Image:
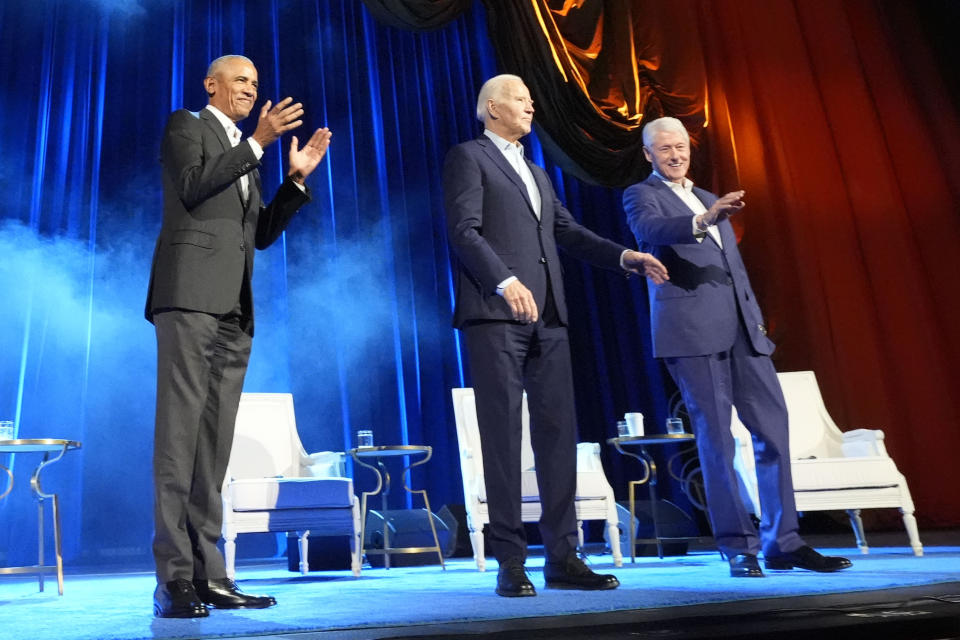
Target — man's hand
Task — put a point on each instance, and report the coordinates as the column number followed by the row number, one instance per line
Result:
column 276, row 121
column 521, row 302
column 723, row 208
column 645, row 264
column 303, row 161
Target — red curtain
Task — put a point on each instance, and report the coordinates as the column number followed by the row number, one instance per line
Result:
column 834, row 119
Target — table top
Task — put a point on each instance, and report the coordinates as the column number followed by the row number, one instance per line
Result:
column 653, row 438
column 26, row 445
column 389, row 451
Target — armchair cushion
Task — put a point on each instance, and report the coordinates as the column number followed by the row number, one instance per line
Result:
column 259, row 494
column 824, row 474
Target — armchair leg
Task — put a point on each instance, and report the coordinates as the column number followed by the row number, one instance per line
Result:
column 476, row 541
column 857, row 525
column 911, row 524
column 230, row 554
column 304, row 550
column 356, row 543
column 613, row 535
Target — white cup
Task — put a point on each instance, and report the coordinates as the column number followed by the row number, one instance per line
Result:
column 634, row 423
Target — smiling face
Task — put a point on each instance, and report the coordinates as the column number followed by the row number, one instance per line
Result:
column 232, row 88
column 669, row 153
column 510, row 111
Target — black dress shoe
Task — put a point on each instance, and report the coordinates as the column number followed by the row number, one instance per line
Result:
column 572, row 573
column 745, row 565
column 806, row 557
column 178, row 599
column 224, row 594
column 512, row 580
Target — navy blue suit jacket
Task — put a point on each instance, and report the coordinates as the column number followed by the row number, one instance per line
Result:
column 495, row 233
column 694, row 313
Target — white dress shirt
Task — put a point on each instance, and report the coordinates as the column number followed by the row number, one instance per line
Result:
column 685, row 192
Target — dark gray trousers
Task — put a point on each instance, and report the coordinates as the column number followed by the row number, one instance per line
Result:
column 201, row 363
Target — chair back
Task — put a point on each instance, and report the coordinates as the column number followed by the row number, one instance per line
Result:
column 265, row 443
column 468, row 437
column 812, row 431
column 813, row 434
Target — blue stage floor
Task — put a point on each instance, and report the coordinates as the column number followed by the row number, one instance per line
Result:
column 382, row 603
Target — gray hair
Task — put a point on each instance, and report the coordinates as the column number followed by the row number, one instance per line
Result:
column 214, row 67
column 665, row 124
column 493, row 88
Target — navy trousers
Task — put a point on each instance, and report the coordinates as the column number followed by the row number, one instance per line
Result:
column 710, row 385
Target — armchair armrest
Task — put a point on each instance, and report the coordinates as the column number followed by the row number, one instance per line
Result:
column 863, row 442
column 324, row 464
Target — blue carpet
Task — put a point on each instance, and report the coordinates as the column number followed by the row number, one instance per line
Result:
column 118, row 606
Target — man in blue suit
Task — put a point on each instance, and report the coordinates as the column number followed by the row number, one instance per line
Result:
column 505, row 224
column 708, row 328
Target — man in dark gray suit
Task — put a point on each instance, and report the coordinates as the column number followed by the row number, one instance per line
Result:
column 505, row 223
column 201, row 304
column 708, row 328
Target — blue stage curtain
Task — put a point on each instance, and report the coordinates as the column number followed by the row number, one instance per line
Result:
column 353, row 307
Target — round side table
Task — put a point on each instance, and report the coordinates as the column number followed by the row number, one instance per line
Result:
column 650, row 477
column 46, row 446
column 383, row 488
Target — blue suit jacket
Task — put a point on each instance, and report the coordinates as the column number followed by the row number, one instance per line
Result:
column 696, row 312
column 496, row 234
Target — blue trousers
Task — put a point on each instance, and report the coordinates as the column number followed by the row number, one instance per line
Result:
column 710, row 385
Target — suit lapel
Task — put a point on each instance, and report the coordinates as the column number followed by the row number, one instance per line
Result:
column 218, row 130
column 543, row 186
column 497, row 156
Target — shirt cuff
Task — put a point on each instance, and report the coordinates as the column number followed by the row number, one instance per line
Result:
column 255, row 147
column 621, row 259
column 503, row 285
column 699, row 235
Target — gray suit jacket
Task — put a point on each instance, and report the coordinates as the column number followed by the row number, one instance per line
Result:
column 496, row 234
column 695, row 312
column 203, row 260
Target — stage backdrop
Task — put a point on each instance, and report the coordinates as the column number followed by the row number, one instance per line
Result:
column 819, row 112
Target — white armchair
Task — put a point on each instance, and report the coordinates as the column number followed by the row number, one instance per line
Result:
column 831, row 469
column 594, row 499
column 272, row 485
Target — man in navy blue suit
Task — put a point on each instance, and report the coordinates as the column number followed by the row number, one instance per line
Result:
column 708, row 328
column 505, row 224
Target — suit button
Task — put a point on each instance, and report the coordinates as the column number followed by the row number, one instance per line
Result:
column 243, row 247
column 543, row 260
column 539, row 226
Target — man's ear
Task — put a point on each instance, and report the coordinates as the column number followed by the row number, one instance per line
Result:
column 646, row 154
column 209, row 83
column 491, row 109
